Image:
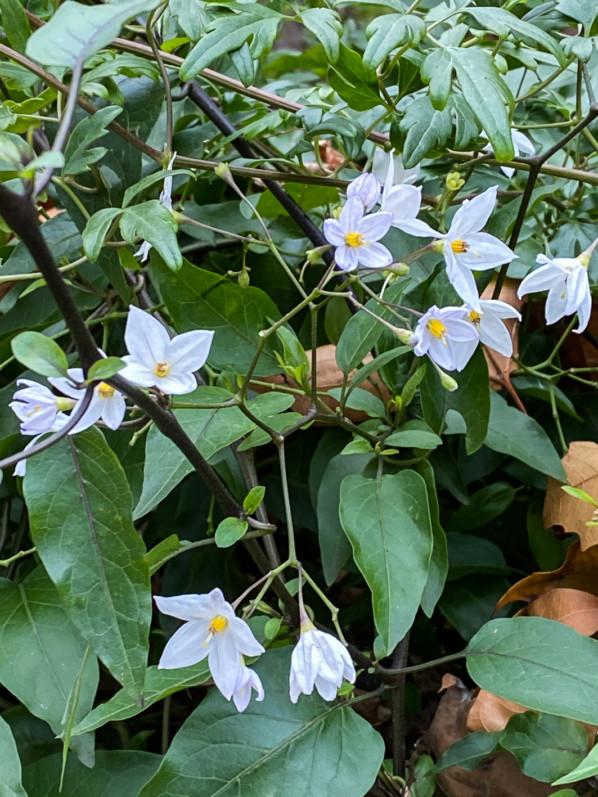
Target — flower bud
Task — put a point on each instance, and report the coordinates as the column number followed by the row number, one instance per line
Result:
column 454, row 181
column 396, row 270
column 314, row 255
column 406, row 336
column 447, row 382
column 366, row 188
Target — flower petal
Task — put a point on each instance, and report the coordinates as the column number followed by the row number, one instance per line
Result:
column 375, row 226
column 188, row 607
column 485, row 251
column 493, row 333
column 145, row 338
column 245, row 641
column 224, row 661
column 113, row 410
column 333, row 232
column 496, row 307
column 556, row 304
column 462, row 279
column 347, row 257
column 403, row 201
column 416, row 227
column 473, row 214
column 176, row 385
column 189, row 351
column 374, row 256
column 351, row 216
column 544, row 278
column 185, row 647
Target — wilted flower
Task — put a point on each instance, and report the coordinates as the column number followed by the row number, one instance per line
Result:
column 166, row 200
column 466, row 249
column 568, row 285
column 154, row 360
column 247, row 679
column 106, row 404
column 521, row 143
column 355, row 237
column 366, row 188
column 213, row 630
column 490, row 325
column 318, row 660
column 446, row 337
column 404, row 202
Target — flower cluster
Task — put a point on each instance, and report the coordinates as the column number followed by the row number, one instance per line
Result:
column 154, row 360
column 213, row 631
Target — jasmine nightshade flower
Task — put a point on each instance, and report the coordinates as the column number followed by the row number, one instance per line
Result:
column 521, row 143
column 213, row 630
column 154, row 360
column 366, row 188
column 447, row 339
column 404, row 202
column 166, row 200
column 247, row 679
column 106, row 404
column 566, row 279
column 37, row 407
column 466, row 249
column 380, row 166
column 489, row 323
column 355, row 237
column 318, row 660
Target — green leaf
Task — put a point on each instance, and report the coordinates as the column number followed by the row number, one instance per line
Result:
column 584, row 11
column 348, row 131
column 414, row 434
column 484, row 505
column 354, row 84
column 210, row 429
column 439, row 562
column 78, row 154
column 10, row 775
column 542, row 664
column 199, row 299
column 518, row 435
column 387, row 32
column 546, row 747
column 80, row 513
column 326, row 26
column 469, row 752
column 470, row 554
column 15, row 24
column 273, row 747
column 426, row 130
column 586, row 769
column 154, row 223
column 42, row 654
column 40, row 353
column 104, row 368
column 230, row 531
column 387, row 521
column 119, row 773
column 162, row 552
column 158, row 685
column 255, row 24
column 96, row 230
column 253, row 499
column 437, row 71
column 472, row 399
column 77, row 31
column 151, row 179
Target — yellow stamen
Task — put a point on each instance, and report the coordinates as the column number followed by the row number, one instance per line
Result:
column 437, row 328
column 355, row 239
column 162, row 369
column 475, row 317
column 35, row 409
column 459, row 247
column 218, row 624
column 105, row 391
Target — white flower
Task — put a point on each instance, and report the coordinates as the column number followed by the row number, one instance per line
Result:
column 466, row 249
column 521, row 143
column 489, row 324
column 213, row 630
column 318, row 660
column 247, row 679
column 166, row 200
column 106, row 404
column 404, row 202
column 380, row 166
column 355, row 237
column 366, row 188
column 566, row 279
column 37, row 407
column 446, row 337
column 154, row 360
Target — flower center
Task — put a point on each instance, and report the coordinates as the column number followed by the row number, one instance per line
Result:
column 218, row 624
column 355, row 239
column 475, row 317
column 36, row 408
column 437, row 328
column 459, row 247
column 105, row 391
column 162, row 369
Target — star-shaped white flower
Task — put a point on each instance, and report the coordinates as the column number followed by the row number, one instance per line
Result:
column 106, row 404
column 568, row 285
column 366, row 188
column 355, row 237
column 447, row 339
column 489, row 323
column 466, row 249
column 521, row 143
column 213, row 630
column 404, row 202
column 318, row 660
column 247, row 679
column 154, row 360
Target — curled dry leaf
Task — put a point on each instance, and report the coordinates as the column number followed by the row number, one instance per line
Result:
column 499, row 366
column 575, row 608
column 567, row 511
column 490, row 712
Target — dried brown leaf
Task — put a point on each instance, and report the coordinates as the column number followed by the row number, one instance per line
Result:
column 575, row 608
column 490, row 712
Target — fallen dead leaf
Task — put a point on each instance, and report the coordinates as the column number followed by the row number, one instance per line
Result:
column 566, row 511
column 573, row 607
column 490, row 712
column 499, row 366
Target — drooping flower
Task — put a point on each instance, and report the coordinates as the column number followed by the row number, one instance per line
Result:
column 154, row 360
column 355, row 237
column 466, row 249
column 37, row 407
column 489, row 323
column 521, row 143
column 447, row 339
column 107, row 404
column 568, row 285
column 380, row 166
column 404, row 202
column 247, row 679
column 366, row 188
column 166, row 199
column 318, row 660
column 211, row 629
